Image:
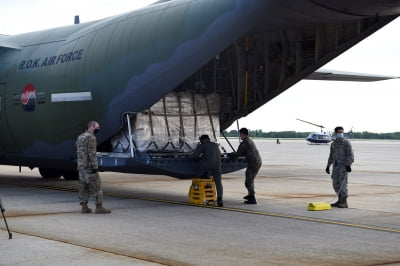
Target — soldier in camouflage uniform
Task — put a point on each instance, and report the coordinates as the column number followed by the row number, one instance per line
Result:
column 341, row 156
column 248, row 149
column 210, row 162
column 89, row 179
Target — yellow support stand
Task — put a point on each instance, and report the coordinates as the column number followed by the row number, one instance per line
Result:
column 319, row 206
column 202, row 192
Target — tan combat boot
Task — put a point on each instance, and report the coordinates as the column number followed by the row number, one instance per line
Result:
column 85, row 208
column 101, row 210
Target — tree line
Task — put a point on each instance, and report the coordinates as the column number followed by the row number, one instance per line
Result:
column 258, row 133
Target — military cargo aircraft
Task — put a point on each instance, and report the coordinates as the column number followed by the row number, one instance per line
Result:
column 158, row 77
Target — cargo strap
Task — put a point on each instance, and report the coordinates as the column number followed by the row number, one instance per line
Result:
column 194, row 114
column 152, row 142
column 210, row 116
column 183, row 137
column 167, row 125
column 131, row 146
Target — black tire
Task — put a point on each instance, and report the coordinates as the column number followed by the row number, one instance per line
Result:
column 50, row 173
column 71, row 175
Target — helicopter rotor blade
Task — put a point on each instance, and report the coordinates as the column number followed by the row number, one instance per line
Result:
column 311, row 123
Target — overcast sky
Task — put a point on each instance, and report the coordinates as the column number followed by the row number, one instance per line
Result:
column 363, row 106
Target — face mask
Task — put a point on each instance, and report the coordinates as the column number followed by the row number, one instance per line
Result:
column 96, row 130
column 340, row 135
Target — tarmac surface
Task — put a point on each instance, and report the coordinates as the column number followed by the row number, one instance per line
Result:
column 152, row 223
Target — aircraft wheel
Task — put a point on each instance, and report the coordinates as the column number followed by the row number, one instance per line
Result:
column 49, row 173
column 71, row 175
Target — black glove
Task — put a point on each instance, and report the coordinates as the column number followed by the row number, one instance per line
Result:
column 348, row 168
column 327, row 170
column 94, row 171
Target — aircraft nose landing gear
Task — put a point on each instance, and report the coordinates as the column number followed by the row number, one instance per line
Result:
column 47, row 173
column 50, row 173
column 71, row 175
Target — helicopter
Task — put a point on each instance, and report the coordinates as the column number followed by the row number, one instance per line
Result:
column 323, row 137
column 318, row 137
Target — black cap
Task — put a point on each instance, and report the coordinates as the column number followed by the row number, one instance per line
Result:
column 244, row 131
column 338, row 128
column 204, row 137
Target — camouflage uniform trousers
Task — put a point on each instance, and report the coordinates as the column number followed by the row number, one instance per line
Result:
column 90, row 182
column 339, row 180
column 251, row 173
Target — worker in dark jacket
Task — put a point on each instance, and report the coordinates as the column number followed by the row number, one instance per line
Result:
column 210, row 162
column 248, row 149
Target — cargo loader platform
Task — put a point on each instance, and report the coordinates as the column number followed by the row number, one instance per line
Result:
column 172, row 164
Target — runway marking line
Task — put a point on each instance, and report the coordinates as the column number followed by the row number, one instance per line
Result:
column 270, row 214
column 88, row 247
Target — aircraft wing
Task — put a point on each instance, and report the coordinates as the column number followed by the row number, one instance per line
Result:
column 5, row 43
column 333, row 75
column 160, row 2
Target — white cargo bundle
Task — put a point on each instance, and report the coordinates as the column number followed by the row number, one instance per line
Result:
column 172, row 124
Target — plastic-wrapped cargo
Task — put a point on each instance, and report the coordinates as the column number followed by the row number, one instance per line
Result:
column 174, row 123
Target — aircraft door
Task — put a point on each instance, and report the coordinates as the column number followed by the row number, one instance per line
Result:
column 2, row 91
column 6, row 140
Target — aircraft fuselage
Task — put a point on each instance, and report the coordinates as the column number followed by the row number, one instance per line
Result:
column 53, row 82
